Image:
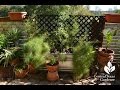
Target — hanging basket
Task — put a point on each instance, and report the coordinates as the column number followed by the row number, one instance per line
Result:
column 17, row 15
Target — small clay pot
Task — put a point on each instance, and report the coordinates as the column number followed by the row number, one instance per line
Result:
column 52, row 68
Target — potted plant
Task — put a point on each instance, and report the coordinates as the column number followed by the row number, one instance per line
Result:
column 52, row 68
column 6, row 71
column 35, row 51
column 21, row 71
column 83, row 58
column 13, row 35
column 104, row 55
column 52, row 65
column 17, row 15
column 16, row 56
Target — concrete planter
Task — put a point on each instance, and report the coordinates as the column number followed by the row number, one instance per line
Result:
column 68, row 64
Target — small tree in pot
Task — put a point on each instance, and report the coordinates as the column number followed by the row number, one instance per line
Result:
column 105, row 55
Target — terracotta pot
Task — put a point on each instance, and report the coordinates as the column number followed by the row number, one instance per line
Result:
column 17, row 15
column 21, row 74
column 52, row 76
column 52, row 68
column 112, row 18
column 6, row 72
column 104, row 56
column 31, row 68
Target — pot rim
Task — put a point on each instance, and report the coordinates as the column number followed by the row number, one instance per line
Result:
column 112, row 14
column 100, row 50
column 18, row 12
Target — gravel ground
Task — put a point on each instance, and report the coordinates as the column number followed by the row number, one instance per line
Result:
column 65, row 79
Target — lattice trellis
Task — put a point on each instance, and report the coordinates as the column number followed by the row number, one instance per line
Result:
column 92, row 24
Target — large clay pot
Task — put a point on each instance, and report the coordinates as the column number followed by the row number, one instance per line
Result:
column 104, row 56
column 17, row 15
column 52, row 76
column 112, row 18
column 31, row 68
column 21, row 73
column 6, row 72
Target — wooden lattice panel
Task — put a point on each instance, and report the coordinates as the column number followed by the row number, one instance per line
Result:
column 93, row 25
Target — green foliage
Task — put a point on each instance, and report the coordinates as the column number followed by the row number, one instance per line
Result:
column 117, row 11
column 16, row 8
column 30, row 28
column 6, row 55
column 51, row 59
column 6, row 8
column 56, row 57
column 35, row 51
column 62, row 37
column 109, row 36
column 57, row 10
column 2, row 40
column 83, row 57
column 13, row 35
column 4, row 11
